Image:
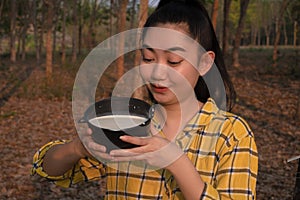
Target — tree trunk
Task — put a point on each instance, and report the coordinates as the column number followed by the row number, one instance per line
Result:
column 295, row 33
column 111, row 18
column 235, row 52
column 18, row 39
column 23, row 47
column 35, row 33
column 226, row 9
column 258, row 37
column 26, row 16
column 122, row 26
column 253, row 35
column 279, row 22
column 49, row 47
column 79, row 28
column 111, row 23
column 132, row 14
column 143, row 14
column 267, row 39
column 55, row 23
column 41, row 34
column 1, row 10
column 214, row 14
column 284, row 33
column 75, row 32
column 63, row 30
column 13, row 16
column 91, row 35
column 54, row 42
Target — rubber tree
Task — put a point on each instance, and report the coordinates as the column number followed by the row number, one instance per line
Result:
column 237, row 41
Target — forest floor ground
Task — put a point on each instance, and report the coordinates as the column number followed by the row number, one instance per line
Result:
column 33, row 113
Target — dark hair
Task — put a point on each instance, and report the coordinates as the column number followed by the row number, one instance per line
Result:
column 194, row 14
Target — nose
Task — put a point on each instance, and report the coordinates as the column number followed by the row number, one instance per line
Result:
column 159, row 72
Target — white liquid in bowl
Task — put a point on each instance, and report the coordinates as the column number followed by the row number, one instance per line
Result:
column 117, row 122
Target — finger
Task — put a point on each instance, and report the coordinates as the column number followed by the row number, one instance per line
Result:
column 123, row 153
column 100, row 156
column 140, row 141
column 96, row 147
column 87, row 141
column 98, row 151
column 89, row 131
column 128, row 158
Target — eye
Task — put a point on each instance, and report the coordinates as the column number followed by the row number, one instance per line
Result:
column 174, row 62
column 148, row 60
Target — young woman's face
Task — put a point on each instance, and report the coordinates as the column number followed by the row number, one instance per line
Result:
column 169, row 64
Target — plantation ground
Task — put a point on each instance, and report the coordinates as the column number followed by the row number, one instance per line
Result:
column 32, row 113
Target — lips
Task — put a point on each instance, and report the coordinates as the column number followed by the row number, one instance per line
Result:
column 158, row 88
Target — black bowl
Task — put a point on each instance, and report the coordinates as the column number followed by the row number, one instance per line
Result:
column 116, row 116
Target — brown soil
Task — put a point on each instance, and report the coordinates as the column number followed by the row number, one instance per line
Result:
column 33, row 114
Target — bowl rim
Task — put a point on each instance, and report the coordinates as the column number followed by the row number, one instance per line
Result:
column 92, row 109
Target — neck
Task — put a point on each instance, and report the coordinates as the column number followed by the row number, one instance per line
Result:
column 176, row 116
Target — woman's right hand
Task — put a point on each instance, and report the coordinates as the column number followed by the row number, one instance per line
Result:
column 90, row 148
column 61, row 158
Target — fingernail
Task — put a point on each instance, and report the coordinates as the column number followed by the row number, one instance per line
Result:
column 122, row 137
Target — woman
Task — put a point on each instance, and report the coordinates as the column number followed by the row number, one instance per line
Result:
column 200, row 151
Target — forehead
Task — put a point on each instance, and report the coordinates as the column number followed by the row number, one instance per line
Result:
column 174, row 38
column 166, row 37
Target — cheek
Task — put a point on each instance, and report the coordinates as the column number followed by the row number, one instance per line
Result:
column 194, row 84
column 191, row 75
column 145, row 72
column 194, row 79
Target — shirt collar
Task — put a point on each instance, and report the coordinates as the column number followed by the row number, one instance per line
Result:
column 199, row 121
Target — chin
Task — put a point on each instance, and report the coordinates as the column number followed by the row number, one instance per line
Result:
column 164, row 100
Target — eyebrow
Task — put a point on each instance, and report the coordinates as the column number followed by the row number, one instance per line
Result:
column 145, row 46
column 176, row 48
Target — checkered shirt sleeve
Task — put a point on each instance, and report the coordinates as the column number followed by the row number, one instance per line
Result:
column 86, row 169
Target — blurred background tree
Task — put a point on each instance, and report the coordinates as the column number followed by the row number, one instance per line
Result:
column 78, row 26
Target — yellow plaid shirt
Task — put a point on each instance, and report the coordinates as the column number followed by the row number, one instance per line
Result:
column 219, row 144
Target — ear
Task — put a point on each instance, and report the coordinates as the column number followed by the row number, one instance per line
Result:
column 206, row 62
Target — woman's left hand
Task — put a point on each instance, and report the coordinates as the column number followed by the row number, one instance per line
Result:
column 154, row 150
